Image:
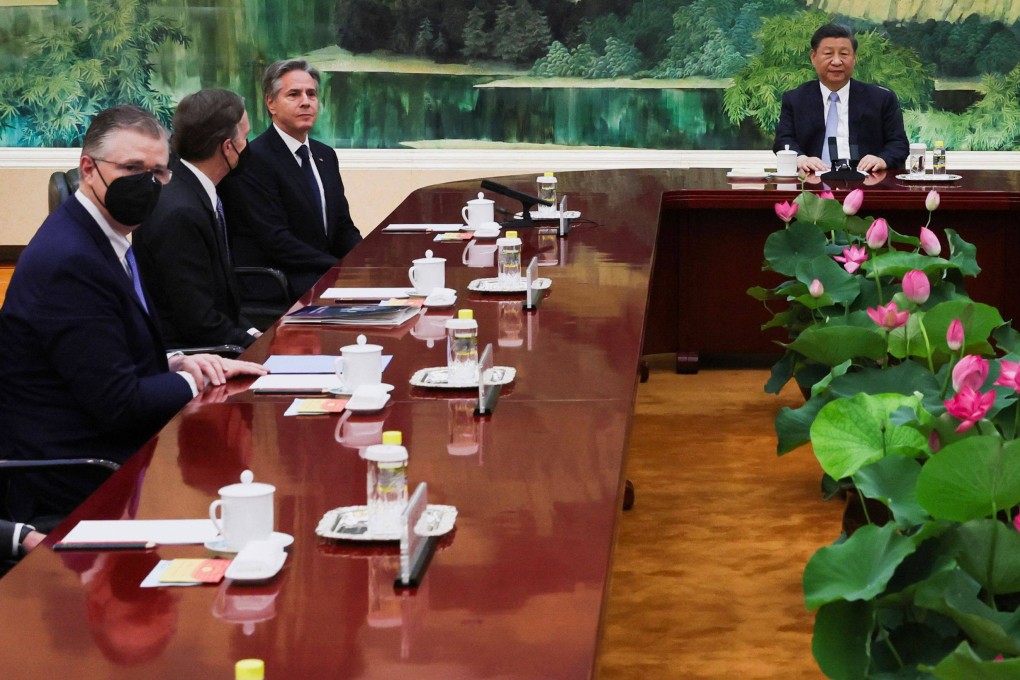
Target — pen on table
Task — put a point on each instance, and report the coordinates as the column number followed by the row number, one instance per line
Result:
column 127, row 545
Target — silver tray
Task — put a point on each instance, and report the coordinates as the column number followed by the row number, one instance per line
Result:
column 350, row 523
column 439, row 377
column 924, row 179
column 497, row 286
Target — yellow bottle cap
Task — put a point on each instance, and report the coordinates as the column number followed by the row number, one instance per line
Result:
column 392, row 437
column 465, row 314
column 548, row 174
column 940, row 143
column 250, row 669
column 511, row 234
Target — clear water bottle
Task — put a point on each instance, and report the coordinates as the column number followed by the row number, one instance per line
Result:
column 387, row 485
column 462, row 348
column 938, row 158
column 509, row 258
column 547, row 191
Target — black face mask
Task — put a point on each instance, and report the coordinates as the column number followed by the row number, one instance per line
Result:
column 131, row 199
column 242, row 160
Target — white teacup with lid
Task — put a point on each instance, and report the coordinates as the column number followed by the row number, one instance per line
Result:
column 786, row 162
column 479, row 211
column 359, row 364
column 243, row 512
column 427, row 273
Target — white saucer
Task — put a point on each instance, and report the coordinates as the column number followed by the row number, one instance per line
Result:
column 486, row 233
column 219, row 545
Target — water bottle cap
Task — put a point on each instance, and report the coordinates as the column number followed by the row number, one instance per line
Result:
column 250, row 669
column 940, row 143
column 465, row 314
column 548, row 174
column 392, row 437
column 511, row 234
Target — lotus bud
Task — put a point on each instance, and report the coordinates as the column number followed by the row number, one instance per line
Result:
column 932, row 201
column 954, row 335
column 916, row 286
column 852, row 202
column 878, row 233
column 930, row 242
column 816, row 289
column 786, row 210
column 970, row 371
column 827, row 194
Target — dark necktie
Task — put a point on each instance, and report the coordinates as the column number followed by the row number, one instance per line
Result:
column 831, row 124
column 306, row 167
column 221, row 222
column 136, row 280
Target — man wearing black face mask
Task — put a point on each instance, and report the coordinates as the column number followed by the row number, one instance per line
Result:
column 182, row 249
column 83, row 368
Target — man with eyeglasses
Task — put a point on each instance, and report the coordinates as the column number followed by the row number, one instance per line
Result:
column 182, row 249
column 83, row 366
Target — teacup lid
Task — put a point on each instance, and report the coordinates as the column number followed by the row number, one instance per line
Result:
column 786, row 152
column 429, row 259
column 362, row 347
column 248, row 488
column 481, row 199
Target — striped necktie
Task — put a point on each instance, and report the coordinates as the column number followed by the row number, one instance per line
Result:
column 831, row 124
column 136, row 280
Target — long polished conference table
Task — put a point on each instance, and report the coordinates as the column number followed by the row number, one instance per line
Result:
column 518, row 589
column 657, row 263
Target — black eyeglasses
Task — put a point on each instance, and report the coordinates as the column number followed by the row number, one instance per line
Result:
column 161, row 174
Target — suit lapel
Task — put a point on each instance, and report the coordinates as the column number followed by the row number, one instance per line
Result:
column 858, row 105
column 297, row 177
column 324, row 173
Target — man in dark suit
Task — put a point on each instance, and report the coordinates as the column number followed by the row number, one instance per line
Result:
column 83, row 367
column 182, row 249
column 286, row 211
column 860, row 116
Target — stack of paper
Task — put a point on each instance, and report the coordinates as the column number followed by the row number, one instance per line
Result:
column 354, row 315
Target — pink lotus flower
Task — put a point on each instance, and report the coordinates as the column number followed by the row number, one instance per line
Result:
column 852, row 202
column 1009, row 375
column 970, row 406
column 1016, row 522
column 826, row 194
column 888, row 316
column 786, row 210
column 816, row 289
column 878, row 233
column 930, row 242
column 934, row 441
column 852, row 258
column 954, row 335
column 916, row 286
column 970, row 371
column 932, row 201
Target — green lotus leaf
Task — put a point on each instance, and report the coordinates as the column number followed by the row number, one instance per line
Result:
column 787, row 248
column 964, row 255
column 989, row 551
column 904, row 378
column 842, row 286
column 842, row 640
column 897, row 263
column 857, row 569
column 971, row 478
column 964, row 664
column 826, row 214
column 979, row 321
column 849, row 433
column 892, row 480
column 831, row 345
column 955, row 594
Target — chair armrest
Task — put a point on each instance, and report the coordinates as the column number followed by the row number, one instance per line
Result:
column 274, row 275
column 57, row 462
column 229, row 351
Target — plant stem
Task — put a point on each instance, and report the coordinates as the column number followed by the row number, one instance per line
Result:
column 927, row 346
column 1016, row 419
column 864, row 506
column 892, row 650
column 949, row 372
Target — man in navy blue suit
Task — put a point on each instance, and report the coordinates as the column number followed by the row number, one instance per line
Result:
column 82, row 365
column 865, row 118
column 287, row 209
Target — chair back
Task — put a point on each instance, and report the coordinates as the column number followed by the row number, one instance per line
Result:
column 62, row 185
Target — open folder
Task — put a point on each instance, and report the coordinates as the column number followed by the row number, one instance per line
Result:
column 353, row 315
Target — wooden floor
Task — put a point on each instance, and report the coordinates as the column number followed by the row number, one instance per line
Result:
column 707, row 573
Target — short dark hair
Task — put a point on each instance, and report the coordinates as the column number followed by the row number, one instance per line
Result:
column 203, row 120
column 120, row 117
column 276, row 70
column 832, row 31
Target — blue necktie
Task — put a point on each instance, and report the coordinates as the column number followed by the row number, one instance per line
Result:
column 221, row 222
column 306, row 167
column 831, row 123
column 136, row 280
